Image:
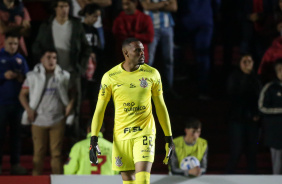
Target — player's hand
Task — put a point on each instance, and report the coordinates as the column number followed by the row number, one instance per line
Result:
column 169, row 147
column 94, row 150
column 196, row 171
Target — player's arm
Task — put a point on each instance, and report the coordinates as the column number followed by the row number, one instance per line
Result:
column 165, row 124
column 72, row 165
column 102, row 3
column 149, row 6
column 174, row 166
column 171, row 7
column 23, row 97
column 204, row 162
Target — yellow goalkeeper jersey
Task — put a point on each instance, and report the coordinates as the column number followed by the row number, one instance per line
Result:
column 131, row 93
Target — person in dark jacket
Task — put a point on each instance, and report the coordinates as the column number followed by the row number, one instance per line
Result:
column 243, row 89
column 270, row 104
column 65, row 34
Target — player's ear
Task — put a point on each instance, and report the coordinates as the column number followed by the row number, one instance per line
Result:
column 125, row 52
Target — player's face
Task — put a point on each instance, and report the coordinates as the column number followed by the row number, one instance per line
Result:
column 62, row 10
column 246, row 64
column 278, row 70
column 192, row 134
column 11, row 45
column 92, row 18
column 49, row 61
column 136, row 53
column 128, row 6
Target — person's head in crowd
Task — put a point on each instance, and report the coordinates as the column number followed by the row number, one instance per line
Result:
column 278, row 68
column 90, row 12
column 129, row 6
column 133, row 51
column 11, row 44
column 11, row 3
column 193, row 127
column 246, row 63
column 49, row 60
column 62, row 8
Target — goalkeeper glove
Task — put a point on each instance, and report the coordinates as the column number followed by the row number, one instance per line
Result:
column 94, row 150
column 169, row 146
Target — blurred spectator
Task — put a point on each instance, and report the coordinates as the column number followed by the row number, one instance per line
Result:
column 79, row 162
column 13, row 68
column 270, row 104
column 243, row 89
column 159, row 11
column 14, row 17
column 266, row 67
column 91, row 12
column 133, row 23
column 255, row 37
column 196, row 18
column 190, row 145
column 44, row 96
column 80, row 4
column 67, row 36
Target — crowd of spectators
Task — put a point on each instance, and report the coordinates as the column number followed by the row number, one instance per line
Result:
column 81, row 39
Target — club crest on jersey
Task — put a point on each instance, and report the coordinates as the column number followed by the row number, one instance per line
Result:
column 143, row 82
column 118, row 161
column 19, row 61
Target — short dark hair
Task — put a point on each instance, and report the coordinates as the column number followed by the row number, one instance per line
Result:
column 56, row 2
column 89, row 9
column 12, row 34
column 193, row 123
column 128, row 41
column 278, row 62
column 42, row 53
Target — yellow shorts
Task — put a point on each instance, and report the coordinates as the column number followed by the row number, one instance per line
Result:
column 127, row 152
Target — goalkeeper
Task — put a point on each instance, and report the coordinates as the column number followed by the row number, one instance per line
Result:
column 132, row 84
column 190, row 145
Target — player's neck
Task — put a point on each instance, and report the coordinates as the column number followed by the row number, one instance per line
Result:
column 187, row 140
column 129, row 67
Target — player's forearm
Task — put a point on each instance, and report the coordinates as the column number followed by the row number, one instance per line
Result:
column 162, row 114
column 102, row 3
column 172, row 7
column 24, row 100
column 147, row 5
column 98, row 117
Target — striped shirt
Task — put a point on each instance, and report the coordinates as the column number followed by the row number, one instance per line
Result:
column 160, row 19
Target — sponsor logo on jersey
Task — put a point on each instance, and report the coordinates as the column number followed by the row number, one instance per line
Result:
column 103, row 88
column 118, row 85
column 130, row 106
column 132, row 86
column 142, row 70
column 148, row 150
column 118, row 161
column 143, row 82
column 132, row 129
column 115, row 73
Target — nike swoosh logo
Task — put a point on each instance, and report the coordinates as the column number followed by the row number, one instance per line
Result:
column 119, row 85
column 145, row 156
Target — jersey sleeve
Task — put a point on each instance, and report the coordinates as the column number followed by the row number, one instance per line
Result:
column 105, row 88
column 157, row 88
